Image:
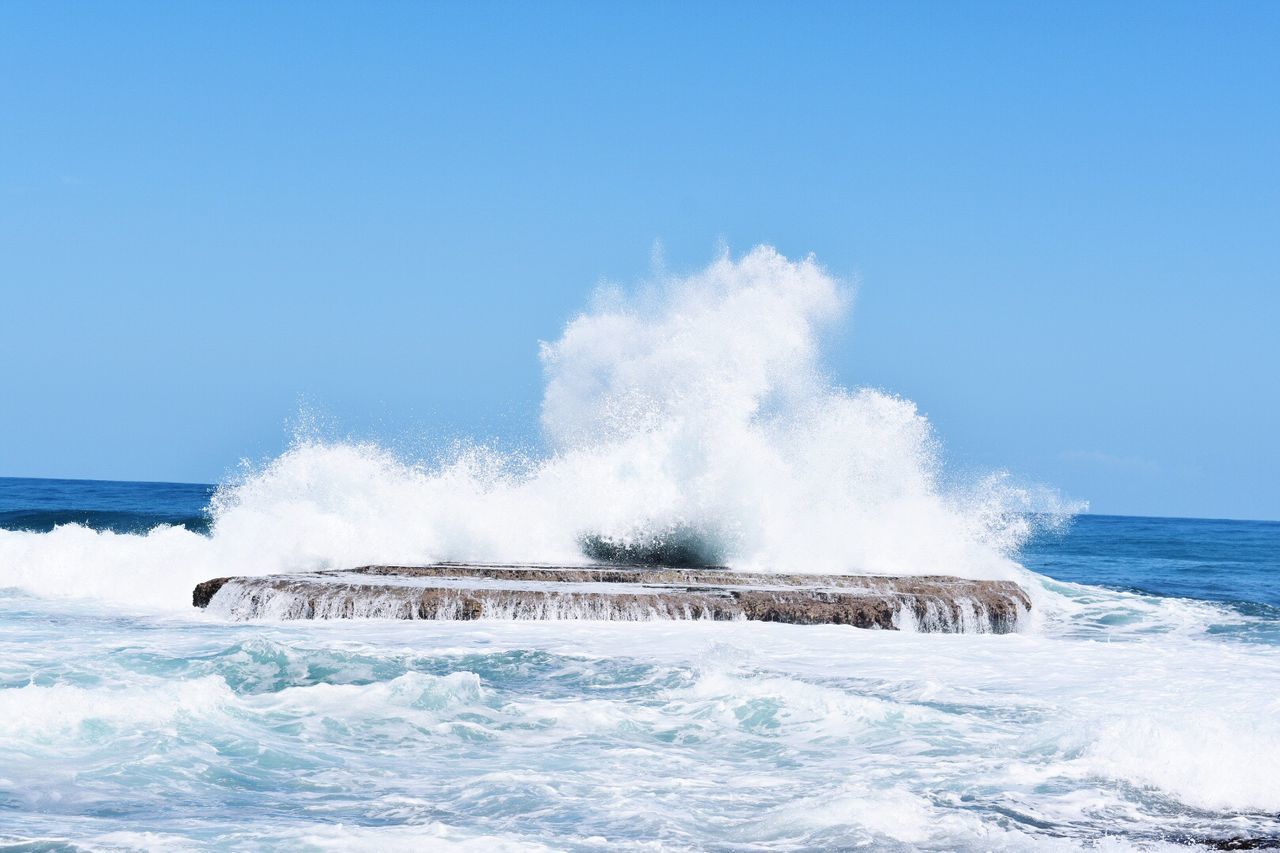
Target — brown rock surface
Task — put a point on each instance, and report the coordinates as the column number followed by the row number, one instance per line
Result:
column 473, row 591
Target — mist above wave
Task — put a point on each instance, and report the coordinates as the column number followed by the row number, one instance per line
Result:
column 693, row 413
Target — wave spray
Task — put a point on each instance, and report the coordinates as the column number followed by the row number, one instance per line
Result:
column 691, row 422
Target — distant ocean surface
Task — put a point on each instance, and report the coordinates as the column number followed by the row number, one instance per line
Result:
column 1141, row 712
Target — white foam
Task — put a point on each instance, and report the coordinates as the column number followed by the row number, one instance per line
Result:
column 36, row 712
column 700, row 404
column 693, row 733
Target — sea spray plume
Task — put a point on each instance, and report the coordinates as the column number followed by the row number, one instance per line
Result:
column 717, row 347
column 1005, row 513
column 693, row 417
column 654, row 390
column 701, row 405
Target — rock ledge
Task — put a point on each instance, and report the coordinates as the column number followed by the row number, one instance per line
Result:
column 936, row 603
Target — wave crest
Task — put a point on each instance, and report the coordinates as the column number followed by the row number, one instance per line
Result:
column 691, row 420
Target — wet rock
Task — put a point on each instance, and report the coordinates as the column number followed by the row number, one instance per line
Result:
column 205, row 591
column 1238, row 843
column 621, row 592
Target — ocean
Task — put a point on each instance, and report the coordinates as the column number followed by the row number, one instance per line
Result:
column 1137, row 706
column 1143, row 713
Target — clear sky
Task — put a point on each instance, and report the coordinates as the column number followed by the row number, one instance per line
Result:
column 1065, row 218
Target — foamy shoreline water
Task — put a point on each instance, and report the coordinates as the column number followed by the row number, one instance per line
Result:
column 598, row 735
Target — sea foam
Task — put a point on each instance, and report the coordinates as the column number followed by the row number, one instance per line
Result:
column 694, row 413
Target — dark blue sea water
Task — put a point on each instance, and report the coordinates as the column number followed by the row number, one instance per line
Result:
column 1140, row 709
column 1209, row 559
column 40, row 505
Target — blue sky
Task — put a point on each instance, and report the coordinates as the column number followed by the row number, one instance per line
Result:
column 1065, row 218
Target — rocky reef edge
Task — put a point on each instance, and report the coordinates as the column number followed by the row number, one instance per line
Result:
column 932, row 603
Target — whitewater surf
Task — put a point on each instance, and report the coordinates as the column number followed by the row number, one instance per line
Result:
column 691, row 415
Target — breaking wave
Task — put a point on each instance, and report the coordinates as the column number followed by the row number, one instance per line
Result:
column 690, row 420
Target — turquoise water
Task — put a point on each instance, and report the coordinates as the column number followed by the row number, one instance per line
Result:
column 1140, row 710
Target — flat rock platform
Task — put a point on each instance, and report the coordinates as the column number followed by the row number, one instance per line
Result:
column 935, row 603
